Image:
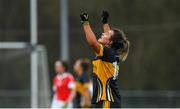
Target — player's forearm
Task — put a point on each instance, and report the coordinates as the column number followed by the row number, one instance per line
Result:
column 72, row 95
column 90, row 36
column 104, row 18
column 106, row 27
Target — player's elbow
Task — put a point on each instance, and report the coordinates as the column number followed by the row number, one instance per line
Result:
column 92, row 43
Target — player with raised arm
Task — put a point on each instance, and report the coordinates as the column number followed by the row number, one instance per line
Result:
column 109, row 49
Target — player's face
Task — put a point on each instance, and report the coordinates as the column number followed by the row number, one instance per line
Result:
column 106, row 38
column 77, row 67
column 58, row 67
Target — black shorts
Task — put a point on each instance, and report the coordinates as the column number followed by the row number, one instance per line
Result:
column 106, row 104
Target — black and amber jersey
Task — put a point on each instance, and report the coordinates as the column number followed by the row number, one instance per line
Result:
column 81, row 84
column 105, row 72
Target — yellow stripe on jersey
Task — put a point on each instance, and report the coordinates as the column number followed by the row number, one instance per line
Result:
column 111, row 95
column 97, row 95
column 100, row 51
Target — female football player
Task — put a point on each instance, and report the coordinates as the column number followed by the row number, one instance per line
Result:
column 63, row 86
column 83, row 83
column 109, row 49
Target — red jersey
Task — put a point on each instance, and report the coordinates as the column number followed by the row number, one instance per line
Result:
column 63, row 83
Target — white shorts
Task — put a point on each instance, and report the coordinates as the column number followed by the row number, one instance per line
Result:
column 60, row 104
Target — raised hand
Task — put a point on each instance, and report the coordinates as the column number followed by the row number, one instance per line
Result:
column 104, row 16
column 84, row 17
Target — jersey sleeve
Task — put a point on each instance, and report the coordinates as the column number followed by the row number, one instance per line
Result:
column 101, row 51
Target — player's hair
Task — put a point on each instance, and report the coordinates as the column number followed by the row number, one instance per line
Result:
column 85, row 64
column 65, row 65
column 120, row 43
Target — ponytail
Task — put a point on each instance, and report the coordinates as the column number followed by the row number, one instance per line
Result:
column 120, row 44
column 124, row 51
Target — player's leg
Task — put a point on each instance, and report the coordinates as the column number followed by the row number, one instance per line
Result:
column 101, row 104
column 58, row 104
column 70, row 105
column 55, row 103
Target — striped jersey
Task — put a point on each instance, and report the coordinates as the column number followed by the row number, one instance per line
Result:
column 105, row 72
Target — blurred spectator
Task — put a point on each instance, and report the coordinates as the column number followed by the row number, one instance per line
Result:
column 63, row 86
column 83, row 83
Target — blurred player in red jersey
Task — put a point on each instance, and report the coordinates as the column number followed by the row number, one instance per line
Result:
column 63, row 87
